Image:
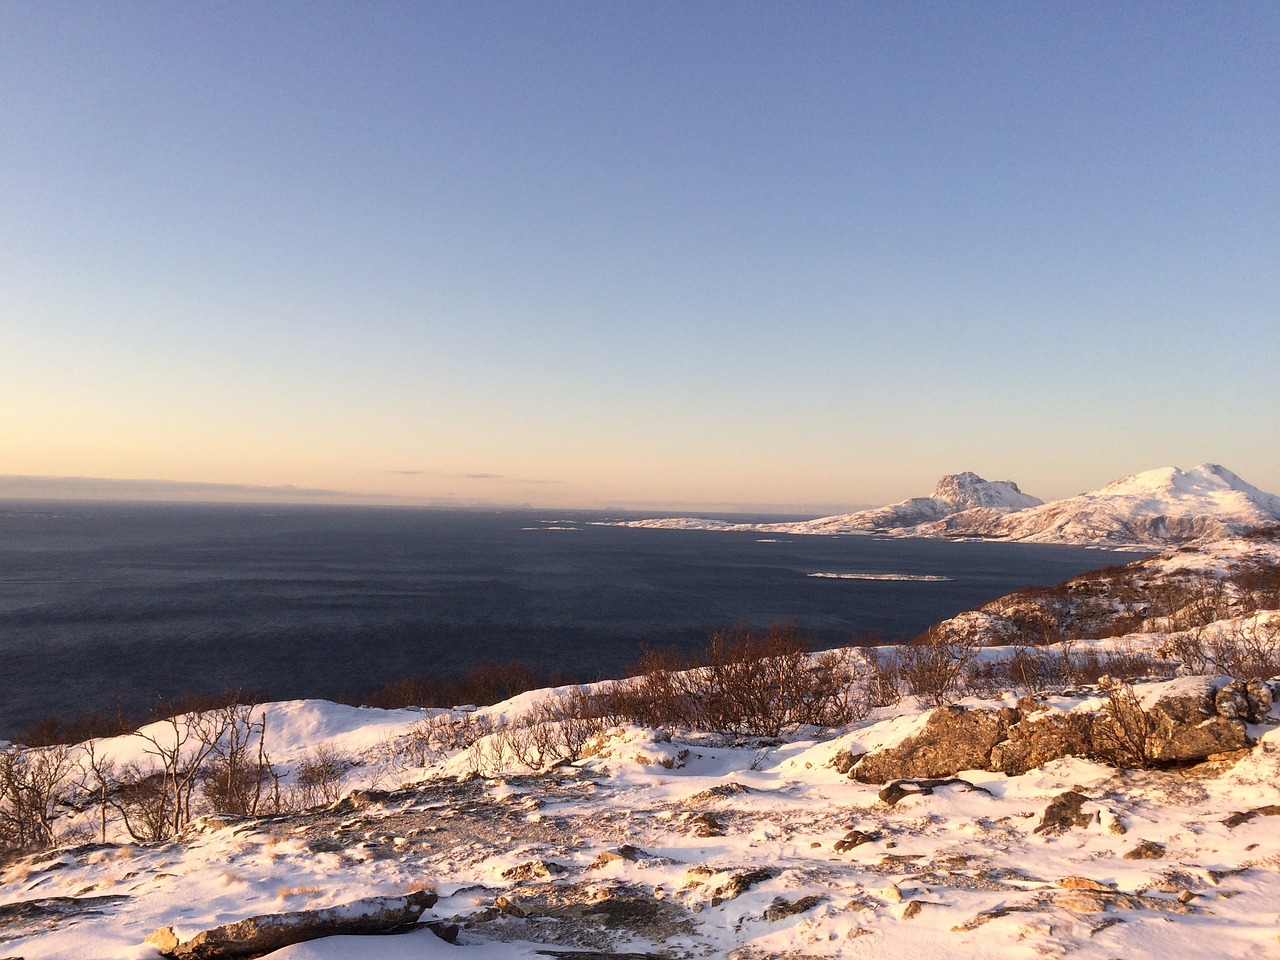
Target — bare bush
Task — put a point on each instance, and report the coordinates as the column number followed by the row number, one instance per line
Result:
column 1122, row 737
column 1251, row 652
column 319, row 777
column 145, row 803
column 237, row 776
column 1129, row 663
column 932, row 667
column 883, row 683
column 746, row 682
column 32, row 782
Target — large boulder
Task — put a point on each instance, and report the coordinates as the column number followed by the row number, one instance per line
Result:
column 1040, row 737
column 1184, row 724
column 954, row 738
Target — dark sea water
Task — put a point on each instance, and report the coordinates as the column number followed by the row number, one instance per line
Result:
column 151, row 600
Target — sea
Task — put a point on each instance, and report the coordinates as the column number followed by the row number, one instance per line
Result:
column 138, row 602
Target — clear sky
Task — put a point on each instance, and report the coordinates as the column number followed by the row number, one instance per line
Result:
column 800, row 256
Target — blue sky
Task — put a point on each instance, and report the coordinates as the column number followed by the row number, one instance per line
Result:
column 800, row 256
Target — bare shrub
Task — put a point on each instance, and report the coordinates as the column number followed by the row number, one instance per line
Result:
column 319, row 777
column 985, row 678
column 883, row 683
column 746, row 682
column 98, row 779
column 1121, row 738
column 1086, row 666
column 932, row 667
column 487, row 756
column 237, row 776
column 1130, row 663
column 32, row 782
column 1251, row 652
column 145, row 803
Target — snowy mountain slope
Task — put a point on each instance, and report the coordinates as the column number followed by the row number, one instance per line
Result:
column 1158, row 506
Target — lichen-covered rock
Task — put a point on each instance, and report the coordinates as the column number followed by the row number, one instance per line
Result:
column 953, row 739
column 1146, row 850
column 533, row 870
column 1185, row 725
column 1035, row 740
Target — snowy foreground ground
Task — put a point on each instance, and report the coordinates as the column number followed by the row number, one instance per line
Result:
column 694, row 847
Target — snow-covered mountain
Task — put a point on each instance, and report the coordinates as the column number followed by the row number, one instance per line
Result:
column 954, row 493
column 1148, row 509
column 1158, row 506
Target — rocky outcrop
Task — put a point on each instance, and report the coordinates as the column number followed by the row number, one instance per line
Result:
column 1160, row 724
column 263, row 934
column 953, row 739
column 1186, row 726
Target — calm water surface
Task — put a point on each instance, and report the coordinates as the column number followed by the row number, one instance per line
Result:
column 150, row 600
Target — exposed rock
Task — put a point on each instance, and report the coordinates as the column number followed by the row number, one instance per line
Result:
column 18, row 919
column 1035, row 740
column 533, row 870
column 953, row 739
column 1146, row 850
column 986, row 916
column 899, row 789
column 845, row 760
column 739, row 883
column 1083, row 883
column 719, row 792
column 1100, row 901
column 913, row 908
column 854, row 838
column 263, row 934
column 1235, row 819
column 1248, row 702
column 1191, row 721
column 625, row 852
column 597, row 955
column 1063, row 813
column 706, row 825
column 588, row 911
column 781, row 907
column 1184, row 726
column 1258, row 693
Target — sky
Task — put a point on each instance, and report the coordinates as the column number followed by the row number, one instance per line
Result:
column 766, row 256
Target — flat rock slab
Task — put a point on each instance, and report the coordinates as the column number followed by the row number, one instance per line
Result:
column 261, row 935
column 19, row 919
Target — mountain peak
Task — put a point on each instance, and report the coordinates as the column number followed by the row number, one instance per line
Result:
column 967, row 491
column 1172, row 482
